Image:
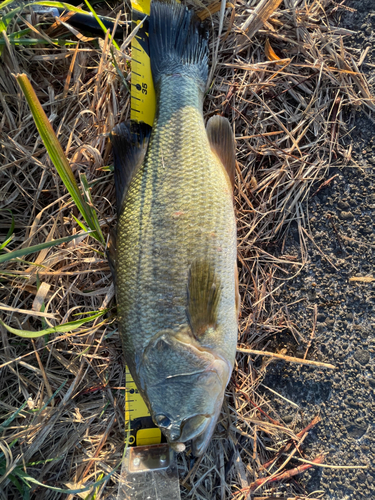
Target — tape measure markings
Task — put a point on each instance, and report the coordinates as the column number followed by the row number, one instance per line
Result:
column 143, row 100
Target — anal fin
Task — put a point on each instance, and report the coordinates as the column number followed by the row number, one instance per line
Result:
column 129, row 142
column 221, row 139
column 204, row 292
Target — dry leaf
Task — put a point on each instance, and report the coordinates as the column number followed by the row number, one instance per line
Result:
column 270, row 53
column 40, row 296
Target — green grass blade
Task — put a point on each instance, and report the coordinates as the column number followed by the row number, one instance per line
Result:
column 42, row 462
column 64, row 328
column 5, row 243
column 82, row 226
column 98, row 20
column 94, row 494
column 19, row 34
column 36, row 248
column 16, row 483
column 60, row 5
column 5, row 20
column 7, row 422
column 9, row 235
column 57, row 155
column 51, row 397
column 27, row 478
column 5, row 3
column 40, row 410
column 50, row 141
column 3, row 25
column 26, row 494
column 88, row 199
column 34, row 41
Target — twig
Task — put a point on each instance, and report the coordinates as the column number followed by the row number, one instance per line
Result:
column 44, row 375
column 290, row 359
column 287, row 447
column 328, row 466
column 363, row 279
column 288, row 474
column 29, row 312
column 324, row 184
column 275, row 422
column 280, row 396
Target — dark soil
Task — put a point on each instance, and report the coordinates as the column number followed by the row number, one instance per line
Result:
column 342, row 223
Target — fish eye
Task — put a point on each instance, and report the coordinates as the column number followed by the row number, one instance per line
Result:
column 163, row 421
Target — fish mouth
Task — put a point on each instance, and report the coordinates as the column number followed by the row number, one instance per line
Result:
column 200, row 443
column 198, row 430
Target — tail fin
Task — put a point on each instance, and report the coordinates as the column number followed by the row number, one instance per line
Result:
column 178, row 42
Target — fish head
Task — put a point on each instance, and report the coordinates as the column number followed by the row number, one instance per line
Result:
column 184, row 385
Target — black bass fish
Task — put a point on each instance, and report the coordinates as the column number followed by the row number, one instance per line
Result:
column 176, row 249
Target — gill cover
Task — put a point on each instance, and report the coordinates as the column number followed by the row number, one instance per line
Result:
column 184, row 385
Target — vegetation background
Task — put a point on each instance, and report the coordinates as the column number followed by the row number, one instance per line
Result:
column 295, row 87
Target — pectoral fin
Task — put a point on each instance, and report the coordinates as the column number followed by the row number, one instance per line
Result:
column 221, row 139
column 129, row 141
column 204, row 292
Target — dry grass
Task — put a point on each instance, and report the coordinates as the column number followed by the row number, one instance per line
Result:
column 287, row 116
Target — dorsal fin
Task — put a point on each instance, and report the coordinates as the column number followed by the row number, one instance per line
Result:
column 204, row 292
column 221, row 139
column 129, row 141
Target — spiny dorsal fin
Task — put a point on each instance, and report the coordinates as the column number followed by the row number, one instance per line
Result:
column 221, row 140
column 204, row 292
column 129, row 141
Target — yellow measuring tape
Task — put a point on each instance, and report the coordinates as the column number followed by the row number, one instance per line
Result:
column 143, row 102
column 143, row 106
column 138, row 416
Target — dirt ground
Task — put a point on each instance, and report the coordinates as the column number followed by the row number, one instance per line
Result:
column 342, row 224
